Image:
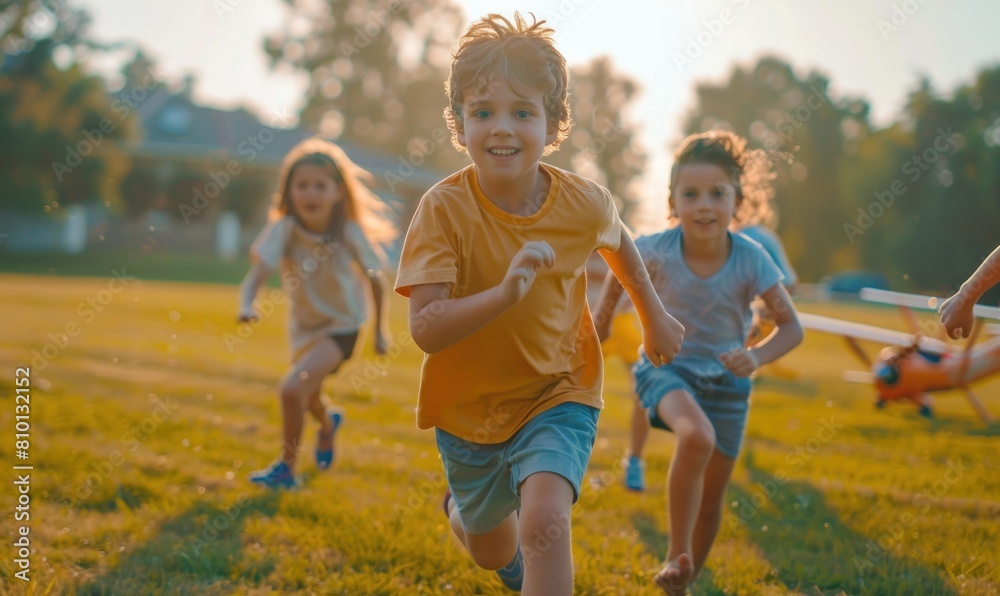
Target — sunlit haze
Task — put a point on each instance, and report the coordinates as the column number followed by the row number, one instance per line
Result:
column 666, row 46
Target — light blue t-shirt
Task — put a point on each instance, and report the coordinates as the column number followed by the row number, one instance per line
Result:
column 766, row 237
column 715, row 311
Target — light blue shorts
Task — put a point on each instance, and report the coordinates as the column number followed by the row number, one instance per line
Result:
column 723, row 398
column 485, row 479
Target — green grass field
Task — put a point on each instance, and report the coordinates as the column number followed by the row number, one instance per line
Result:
column 145, row 422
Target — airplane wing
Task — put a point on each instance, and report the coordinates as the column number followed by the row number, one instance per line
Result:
column 921, row 302
column 869, row 333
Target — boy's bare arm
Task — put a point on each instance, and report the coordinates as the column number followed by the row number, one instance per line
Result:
column 956, row 312
column 254, row 279
column 662, row 334
column 604, row 310
column 437, row 321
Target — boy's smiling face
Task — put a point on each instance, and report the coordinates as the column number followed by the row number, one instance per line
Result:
column 505, row 131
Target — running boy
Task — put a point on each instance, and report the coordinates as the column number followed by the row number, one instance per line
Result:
column 493, row 264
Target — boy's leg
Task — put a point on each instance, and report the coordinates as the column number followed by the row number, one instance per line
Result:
column 639, row 430
column 304, row 379
column 635, row 469
column 491, row 550
column 479, row 481
column 546, row 500
column 713, row 496
column 695, row 444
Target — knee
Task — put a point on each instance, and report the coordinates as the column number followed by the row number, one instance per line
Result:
column 290, row 391
column 542, row 526
column 488, row 554
column 699, row 440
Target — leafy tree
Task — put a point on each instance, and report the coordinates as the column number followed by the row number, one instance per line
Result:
column 952, row 172
column 809, row 133
column 56, row 119
column 602, row 145
column 376, row 73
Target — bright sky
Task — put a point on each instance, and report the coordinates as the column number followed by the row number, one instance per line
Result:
column 947, row 41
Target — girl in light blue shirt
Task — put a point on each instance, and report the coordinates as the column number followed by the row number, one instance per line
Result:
column 707, row 277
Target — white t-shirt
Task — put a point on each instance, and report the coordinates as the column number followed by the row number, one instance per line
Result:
column 324, row 281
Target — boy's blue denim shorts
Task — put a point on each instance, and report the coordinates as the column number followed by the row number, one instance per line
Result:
column 485, row 479
column 723, row 398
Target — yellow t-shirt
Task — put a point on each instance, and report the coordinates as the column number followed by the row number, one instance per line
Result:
column 541, row 352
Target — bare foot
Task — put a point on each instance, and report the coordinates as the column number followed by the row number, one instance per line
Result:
column 675, row 577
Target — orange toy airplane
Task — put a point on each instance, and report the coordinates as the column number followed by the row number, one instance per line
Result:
column 914, row 366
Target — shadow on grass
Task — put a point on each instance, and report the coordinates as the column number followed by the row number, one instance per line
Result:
column 809, row 546
column 196, row 549
column 932, row 426
column 796, row 387
column 658, row 543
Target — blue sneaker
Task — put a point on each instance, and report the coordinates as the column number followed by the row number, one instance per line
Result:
column 635, row 474
column 512, row 575
column 277, row 475
column 324, row 457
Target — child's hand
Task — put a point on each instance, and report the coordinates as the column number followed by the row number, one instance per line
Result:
column 661, row 338
column 524, row 266
column 956, row 315
column 247, row 314
column 741, row 362
column 382, row 342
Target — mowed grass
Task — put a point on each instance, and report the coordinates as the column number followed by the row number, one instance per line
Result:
column 146, row 422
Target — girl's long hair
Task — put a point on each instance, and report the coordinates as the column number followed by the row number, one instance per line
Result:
column 360, row 204
column 751, row 171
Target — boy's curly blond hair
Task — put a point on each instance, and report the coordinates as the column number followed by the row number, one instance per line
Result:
column 523, row 54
